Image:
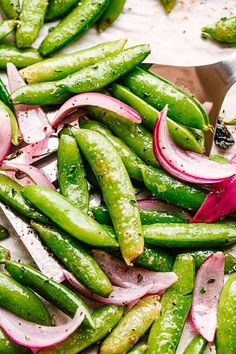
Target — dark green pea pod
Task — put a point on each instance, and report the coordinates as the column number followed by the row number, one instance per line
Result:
column 111, row 13
column 59, row 8
column 4, row 233
column 4, row 255
column 56, row 293
column 132, row 327
column 61, row 66
column 10, row 8
column 71, row 173
column 138, row 138
column 106, row 71
column 116, row 188
column 168, row 5
column 189, row 235
column 105, row 318
column 129, row 158
column 157, row 91
column 201, row 255
column 19, row 57
column 79, row 20
column 223, row 31
column 6, row 27
column 14, row 126
column 196, row 346
column 166, row 331
column 8, row 347
column 22, row 301
column 167, row 188
column 71, row 219
column 226, row 324
column 76, row 258
column 5, row 96
column 181, row 135
column 10, row 194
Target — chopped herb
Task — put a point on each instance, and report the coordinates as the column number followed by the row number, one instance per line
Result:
column 203, row 290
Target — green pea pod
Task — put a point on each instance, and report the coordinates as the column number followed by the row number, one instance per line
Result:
column 223, row 30
column 8, row 347
column 140, row 348
column 189, row 235
column 166, row 331
column 5, row 96
column 167, row 188
column 71, row 173
column 67, row 216
column 134, row 135
column 76, row 259
column 182, row 107
column 116, row 188
column 4, row 233
column 111, row 13
column 56, row 293
column 10, row 194
column 181, row 135
column 106, row 71
column 10, row 8
column 6, row 27
column 59, row 8
column 225, row 336
column 132, row 327
column 168, row 5
column 105, row 318
column 129, row 158
column 201, row 255
column 79, row 20
column 22, row 301
column 5, row 110
column 4, row 255
column 61, row 66
column 196, row 346
column 19, row 57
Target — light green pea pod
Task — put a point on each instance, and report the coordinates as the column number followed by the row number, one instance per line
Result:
column 196, row 346
column 6, row 27
column 223, row 30
column 10, row 8
column 14, row 126
column 168, row 5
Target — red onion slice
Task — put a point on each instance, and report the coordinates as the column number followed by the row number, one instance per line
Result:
column 32, row 335
column 208, row 286
column 33, row 122
column 5, row 136
column 186, row 165
column 96, row 99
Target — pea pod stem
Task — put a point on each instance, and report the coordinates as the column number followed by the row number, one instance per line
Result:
column 14, row 126
column 4, row 255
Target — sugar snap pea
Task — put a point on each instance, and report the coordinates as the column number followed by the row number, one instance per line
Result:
column 67, row 216
column 58, row 8
column 223, row 30
column 76, row 258
column 5, row 96
column 19, row 57
column 111, row 13
column 79, row 20
column 140, row 348
column 8, row 347
column 71, row 173
column 4, row 255
column 61, row 66
column 5, row 110
column 168, row 5
column 56, row 293
column 6, row 27
column 106, row 71
column 181, row 135
column 201, row 255
column 4, row 233
column 167, row 329
column 22, row 301
column 116, row 188
column 10, row 8
column 196, row 346
column 155, row 90
column 132, row 327
column 105, row 318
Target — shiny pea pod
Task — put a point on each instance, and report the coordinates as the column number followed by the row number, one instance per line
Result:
column 61, row 66
column 201, row 255
column 168, row 5
column 76, row 258
column 59, row 8
column 226, row 325
column 111, row 13
column 10, row 8
column 22, row 301
column 223, row 31
column 10, row 194
column 106, row 71
column 79, row 20
column 138, row 138
column 129, row 158
column 181, row 135
column 67, row 216
column 4, row 255
column 6, row 27
column 19, row 57
column 116, row 188
column 6, row 111
column 56, row 293
column 182, row 107
column 196, row 346
column 71, row 173
column 166, row 331
column 132, row 327
column 105, row 318
column 8, row 347
column 171, row 190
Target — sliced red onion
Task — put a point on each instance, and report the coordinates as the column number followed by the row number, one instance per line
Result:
column 32, row 335
column 208, row 286
column 159, row 205
column 5, row 136
column 32, row 120
column 35, row 174
column 132, row 277
column 119, row 296
column 186, row 165
column 99, row 100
